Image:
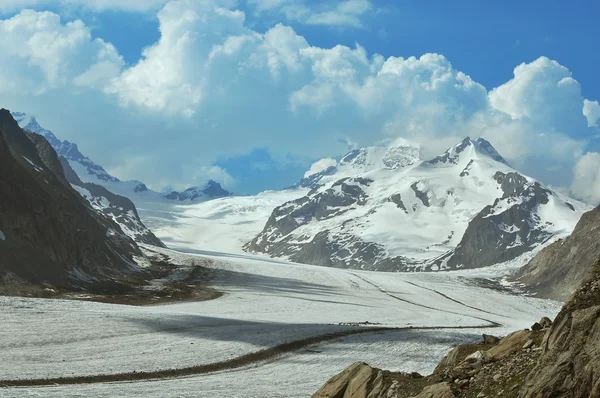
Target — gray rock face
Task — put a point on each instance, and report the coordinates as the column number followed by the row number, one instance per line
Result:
column 504, row 230
column 50, row 234
column 452, row 155
column 118, row 208
column 557, row 270
column 317, row 249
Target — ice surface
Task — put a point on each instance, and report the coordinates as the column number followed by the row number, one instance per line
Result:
column 266, row 302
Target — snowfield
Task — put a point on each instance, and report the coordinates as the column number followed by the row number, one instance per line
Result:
column 223, row 225
column 266, row 303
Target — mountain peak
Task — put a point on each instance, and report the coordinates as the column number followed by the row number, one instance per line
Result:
column 485, row 147
column 468, row 149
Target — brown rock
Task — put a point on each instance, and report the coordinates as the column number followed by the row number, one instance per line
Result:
column 568, row 366
column 536, row 327
column 489, row 339
column 478, row 357
column 560, row 268
column 545, row 322
column 510, row 344
column 528, row 344
column 440, row 390
column 359, row 380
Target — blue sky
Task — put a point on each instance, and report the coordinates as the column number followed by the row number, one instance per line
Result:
column 288, row 84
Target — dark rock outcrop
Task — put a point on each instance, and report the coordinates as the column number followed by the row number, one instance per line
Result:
column 65, row 148
column 211, row 190
column 49, row 234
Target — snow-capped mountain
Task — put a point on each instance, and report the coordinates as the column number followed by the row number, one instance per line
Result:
column 90, row 172
column 383, row 208
column 65, row 149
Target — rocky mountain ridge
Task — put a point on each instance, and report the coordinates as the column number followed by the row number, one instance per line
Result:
column 90, row 172
column 49, row 233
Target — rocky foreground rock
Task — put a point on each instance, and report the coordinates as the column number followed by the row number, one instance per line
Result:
column 550, row 360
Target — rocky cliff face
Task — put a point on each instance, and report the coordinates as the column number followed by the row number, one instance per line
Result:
column 66, row 149
column 505, row 229
column 570, row 361
column 560, row 268
column 48, row 233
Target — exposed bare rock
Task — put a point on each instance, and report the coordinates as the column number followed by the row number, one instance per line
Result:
column 553, row 360
column 489, row 339
column 440, row 390
column 510, row 344
column 545, row 322
column 359, row 380
column 559, row 269
column 570, row 362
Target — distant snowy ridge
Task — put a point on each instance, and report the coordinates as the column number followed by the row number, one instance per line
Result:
column 383, row 208
column 65, row 149
column 90, row 172
column 390, row 155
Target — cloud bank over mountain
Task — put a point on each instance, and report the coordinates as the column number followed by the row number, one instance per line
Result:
column 212, row 86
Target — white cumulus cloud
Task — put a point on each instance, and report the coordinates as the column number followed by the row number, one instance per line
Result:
column 586, row 178
column 213, row 87
column 335, row 13
column 591, row 110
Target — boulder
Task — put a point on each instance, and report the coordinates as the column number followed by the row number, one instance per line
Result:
column 536, row 327
column 440, row 390
column 359, row 380
column 489, row 339
column 510, row 344
column 478, row 357
column 545, row 322
column 530, row 343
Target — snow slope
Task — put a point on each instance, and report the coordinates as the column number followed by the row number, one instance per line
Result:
column 266, row 302
column 218, row 225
